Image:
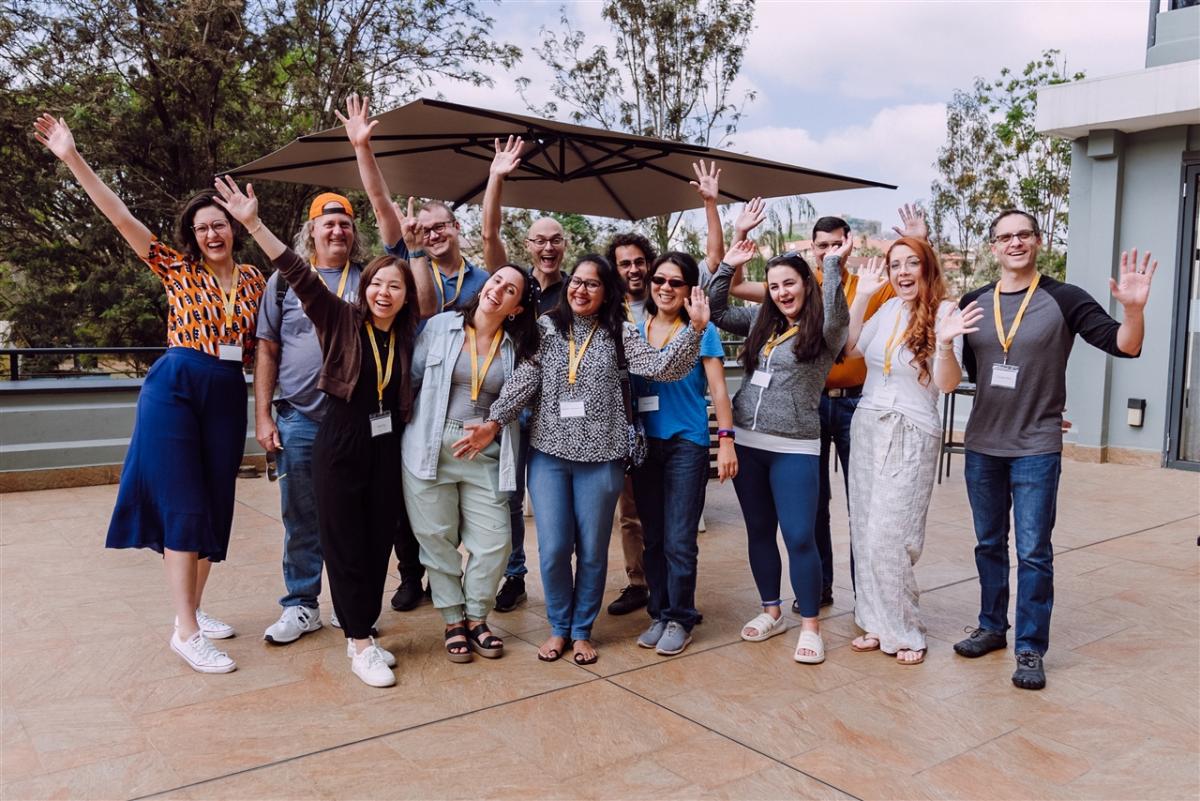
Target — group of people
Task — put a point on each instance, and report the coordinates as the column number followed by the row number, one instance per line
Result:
column 409, row 400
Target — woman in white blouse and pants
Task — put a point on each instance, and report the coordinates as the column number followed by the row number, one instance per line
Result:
column 912, row 346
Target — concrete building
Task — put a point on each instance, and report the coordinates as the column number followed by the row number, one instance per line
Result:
column 1135, row 177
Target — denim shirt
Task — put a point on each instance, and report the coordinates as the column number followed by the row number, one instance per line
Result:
column 437, row 350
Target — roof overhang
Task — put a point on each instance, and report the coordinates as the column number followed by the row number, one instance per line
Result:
column 1158, row 97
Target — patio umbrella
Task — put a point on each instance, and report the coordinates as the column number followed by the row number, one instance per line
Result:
column 435, row 149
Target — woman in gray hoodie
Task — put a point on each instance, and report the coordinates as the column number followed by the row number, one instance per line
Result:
column 791, row 342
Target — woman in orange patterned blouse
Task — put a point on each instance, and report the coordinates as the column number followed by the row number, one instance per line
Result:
column 177, row 484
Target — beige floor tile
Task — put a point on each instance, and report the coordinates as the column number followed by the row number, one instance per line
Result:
column 775, row 782
column 124, row 776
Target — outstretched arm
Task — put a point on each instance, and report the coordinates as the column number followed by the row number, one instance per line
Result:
column 358, row 131
column 56, row 136
column 507, row 159
column 707, row 185
column 418, row 262
column 751, row 216
column 872, row 277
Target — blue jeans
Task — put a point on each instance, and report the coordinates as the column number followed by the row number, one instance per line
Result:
column 836, row 414
column 301, row 536
column 575, row 503
column 779, row 491
column 1028, row 485
column 669, row 491
column 516, row 505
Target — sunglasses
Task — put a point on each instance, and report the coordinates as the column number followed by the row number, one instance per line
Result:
column 674, row 283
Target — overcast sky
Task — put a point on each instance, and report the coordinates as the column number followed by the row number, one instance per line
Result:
column 859, row 88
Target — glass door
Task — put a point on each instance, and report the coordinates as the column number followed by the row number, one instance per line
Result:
column 1183, row 439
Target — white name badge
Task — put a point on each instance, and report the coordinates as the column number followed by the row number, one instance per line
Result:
column 472, row 421
column 648, row 403
column 761, row 378
column 1005, row 375
column 381, row 424
column 229, row 353
column 570, row 408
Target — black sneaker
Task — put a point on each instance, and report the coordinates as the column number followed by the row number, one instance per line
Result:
column 826, row 599
column 631, row 599
column 1029, row 674
column 981, row 641
column 409, row 594
column 511, row 594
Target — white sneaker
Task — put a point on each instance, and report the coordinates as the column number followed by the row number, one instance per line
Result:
column 213, row 629
column 369, row 666
column 202, row 655
column 295, row 622
column 388, row 657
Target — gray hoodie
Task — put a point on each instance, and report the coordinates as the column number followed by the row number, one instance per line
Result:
column 788, row 406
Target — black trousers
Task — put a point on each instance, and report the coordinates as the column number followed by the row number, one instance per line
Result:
column 360, row 509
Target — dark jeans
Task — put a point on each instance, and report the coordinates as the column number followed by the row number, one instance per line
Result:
column 669, row 491
column 1028, row 485
column 778, row 491
column 302, row 559
column 516, row 505
column 836, row 414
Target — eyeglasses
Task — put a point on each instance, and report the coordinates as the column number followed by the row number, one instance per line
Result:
column 674, row 283
column 1022, row 237
column 218, row 228
column 540, row 242
column 437, row 228
column 585, row 283
column 638, row 262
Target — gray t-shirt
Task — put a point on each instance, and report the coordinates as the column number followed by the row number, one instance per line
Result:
column 460, row 406
column 300, row 351
column 1026, row 420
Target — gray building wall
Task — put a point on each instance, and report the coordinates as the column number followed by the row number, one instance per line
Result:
column 1125, row 193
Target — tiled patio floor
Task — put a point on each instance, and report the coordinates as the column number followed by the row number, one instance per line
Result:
column 94, row 705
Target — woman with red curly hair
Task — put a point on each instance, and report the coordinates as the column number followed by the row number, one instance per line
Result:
column 912, row 346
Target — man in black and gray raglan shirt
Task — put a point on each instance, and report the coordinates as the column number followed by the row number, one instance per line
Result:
column 1014, row 435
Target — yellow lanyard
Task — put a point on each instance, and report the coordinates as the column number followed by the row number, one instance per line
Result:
column 1006, row 340
column 341, row 281
column 889, row 347
column 574, row 361
column 478, row 377
column 779, row 339
column 227, row 298
column 382, row 378
column 442, row 285
column 629, row 312
column 670, row 334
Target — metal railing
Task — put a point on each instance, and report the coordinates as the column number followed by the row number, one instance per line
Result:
column 77, row 368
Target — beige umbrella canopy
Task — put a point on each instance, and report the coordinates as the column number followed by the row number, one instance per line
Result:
column 435, row 149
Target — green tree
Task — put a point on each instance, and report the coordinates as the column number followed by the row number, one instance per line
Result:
column 162, row 95
column 671, row 74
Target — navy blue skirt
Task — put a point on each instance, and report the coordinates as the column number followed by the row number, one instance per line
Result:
column 178, row 481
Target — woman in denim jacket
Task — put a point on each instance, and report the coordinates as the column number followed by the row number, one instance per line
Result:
column 454, row 492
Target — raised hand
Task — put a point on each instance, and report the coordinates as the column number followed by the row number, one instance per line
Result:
column 55, row 135
column 1133, row 290
column 872, row 277
column 408, row 225
column 912, row 222
column 697, row 309
column 242, row 206
column 707, row 180
column 508, row 156
column 843, row 252
column 753, row 213
column 740, row 253
column 358, row 127
column 958, row 322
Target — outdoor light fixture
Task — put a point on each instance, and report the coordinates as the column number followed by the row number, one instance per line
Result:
column 1136, row 413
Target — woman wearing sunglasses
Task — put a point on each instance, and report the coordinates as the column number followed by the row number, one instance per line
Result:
column 578, row 437
column 791, row 342
column 669, row 486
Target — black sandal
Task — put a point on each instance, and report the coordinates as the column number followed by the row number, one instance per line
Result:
column 458, row 656
column 484, row 643
column 580, row 659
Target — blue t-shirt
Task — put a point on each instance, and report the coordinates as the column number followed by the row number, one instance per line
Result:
column 682, row 405
column 472, row 278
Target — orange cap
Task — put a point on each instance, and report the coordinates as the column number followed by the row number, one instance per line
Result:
column 328, row 202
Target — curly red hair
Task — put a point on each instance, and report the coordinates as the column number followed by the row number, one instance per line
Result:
column 920, row 337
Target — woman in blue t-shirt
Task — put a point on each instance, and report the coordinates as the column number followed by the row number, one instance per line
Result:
column 669, row 486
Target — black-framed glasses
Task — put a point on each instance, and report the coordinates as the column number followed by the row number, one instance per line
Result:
column 674, row 283
column 1022, row 236
column 438, row 228
column 541, row 242
column 585, row 283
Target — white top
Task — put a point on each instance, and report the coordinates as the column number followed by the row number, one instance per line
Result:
column 901, row 391
column 750, row 438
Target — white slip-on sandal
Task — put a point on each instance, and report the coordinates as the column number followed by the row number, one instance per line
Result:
column 810, row 641
column 766, row 626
